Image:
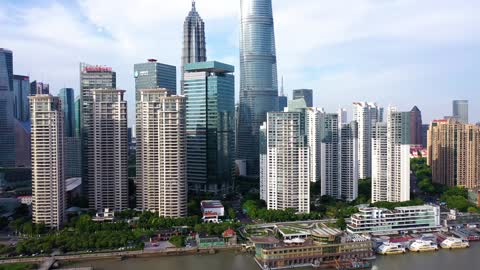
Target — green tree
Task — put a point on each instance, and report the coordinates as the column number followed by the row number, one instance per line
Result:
column 341, row 223
column 231, row 213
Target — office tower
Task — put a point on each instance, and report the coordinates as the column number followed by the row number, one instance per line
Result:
column 39, row 88
column 23, row 155
column 151, row 75
column 21, row 89
column 7, row 119
column 282, row 99
column 67, row 97
column 48, row 186
column 107, row 156
column 91, row 77
column 460, row 110
column 366, row 114
column 348, row 165
column 306, row 94
column 391, row 166
column 425, row 135
column 416, row 126
column 78, row 122
column 258, row 77
column 161, row 153
column 454, row 153
column 73, row 157
column 330, row 183
column 287, row 183
column 194, row 45
column 209, row 88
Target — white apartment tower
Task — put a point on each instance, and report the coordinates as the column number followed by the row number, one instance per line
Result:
column 108, row 167
column 348, row 164
column 48, row 183
column 313, row 123
column 330, row 182
column 391, row 158
column 161, row 153
column 367, row 115
column 287, row 183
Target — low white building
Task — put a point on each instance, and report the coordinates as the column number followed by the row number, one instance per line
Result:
column 380, row 220
column 212, row 210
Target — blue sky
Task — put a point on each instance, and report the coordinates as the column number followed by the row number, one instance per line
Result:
column 395, row 52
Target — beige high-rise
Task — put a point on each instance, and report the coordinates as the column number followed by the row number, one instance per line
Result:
column 454, row 153
column 161, row 153
column 48, row 186
column 108, row 152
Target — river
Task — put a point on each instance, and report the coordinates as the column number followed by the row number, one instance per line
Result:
column 464, row 259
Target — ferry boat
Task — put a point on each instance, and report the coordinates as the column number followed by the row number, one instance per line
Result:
column 422, row 246
column 452, row 243
column 390, row 248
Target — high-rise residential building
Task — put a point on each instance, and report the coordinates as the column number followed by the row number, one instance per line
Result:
column 306, row 94
column 194, row 44
column 67, row 97
column 48, row 182
column 258, row 77
column 91, row 77
column 39, row 88
column 7, row 119
column 391, row 158
column 21, row 89
column 151, row 75
column 348, row 164
column 366, row 114
column 209, row 88
column 416, row 126
column 285, row 181
column 107, row 156
column 78, row 122
column 454, row 153
column 161, row 153
column 314, row 122
column 329, row 160
column 460, row 110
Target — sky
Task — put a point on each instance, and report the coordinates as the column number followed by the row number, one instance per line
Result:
column 394, row 52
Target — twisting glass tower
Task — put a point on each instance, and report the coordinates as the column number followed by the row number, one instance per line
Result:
column 258, row 77
column 194, row 48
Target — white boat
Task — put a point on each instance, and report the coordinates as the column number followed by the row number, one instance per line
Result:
column 452, row 242
column 422, row 246
column 390, row 248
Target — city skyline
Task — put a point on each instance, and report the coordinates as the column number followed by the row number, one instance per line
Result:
column 352, row 70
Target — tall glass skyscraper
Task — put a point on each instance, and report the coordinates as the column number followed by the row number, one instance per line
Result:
column 460, row 110
column 258, row 77
column 67, row 97
column 21, row 89
column 7, row 120
column 210, row 92
column 194, row 48
column 152, row 75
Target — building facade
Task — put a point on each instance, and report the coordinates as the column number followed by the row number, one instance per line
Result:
column 306, row 94
column 209, row 88
column 194, row 43
column 348, row 165
column 161, row 153
column 67, row 97
column 48, row 181
column 416, row 130
column 21, row 89
column 366, row 114
column 330, row 182
column 73, row 157
column 39, row 88
column 7, row 119
column 258, row 77
column 287, row 183
column 460, row 110
column 151, row 75
column 108, row 155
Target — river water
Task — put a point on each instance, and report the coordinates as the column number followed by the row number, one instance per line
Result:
column 464, row 259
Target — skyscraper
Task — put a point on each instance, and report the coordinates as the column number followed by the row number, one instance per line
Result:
column 330, row 182
column 108, row 152
column 416, row 126
column 306, row 94
column 209, row 88
column 194, row 45
column 48, row 183
column 7, row 119
column 460, row 110
column 78, row 122
column 366, row 114
column 67, row 97
column 161, row 140
column 258, row 77
column 348, row 165
column 39, row 88
column 153, row 75
column 391, row 158
column 21, row 89
column 282, row 99
column 285, row 175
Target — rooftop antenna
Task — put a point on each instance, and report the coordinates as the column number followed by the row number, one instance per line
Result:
column 193, row 4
